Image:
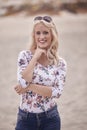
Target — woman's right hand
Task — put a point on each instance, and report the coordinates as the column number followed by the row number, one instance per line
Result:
column 38, row 53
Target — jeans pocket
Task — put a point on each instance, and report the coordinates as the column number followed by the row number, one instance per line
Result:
column 53, row 113
column 21, row 120
column 21, row 116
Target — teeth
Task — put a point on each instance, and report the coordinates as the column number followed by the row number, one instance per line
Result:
column 42, row 41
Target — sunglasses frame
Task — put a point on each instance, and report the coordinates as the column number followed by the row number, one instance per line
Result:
column 45, row 18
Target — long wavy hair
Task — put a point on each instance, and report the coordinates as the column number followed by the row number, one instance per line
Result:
column 52, row 52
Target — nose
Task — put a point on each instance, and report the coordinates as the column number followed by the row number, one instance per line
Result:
column 41, row 36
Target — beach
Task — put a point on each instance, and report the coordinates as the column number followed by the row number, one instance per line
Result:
column 15, row 35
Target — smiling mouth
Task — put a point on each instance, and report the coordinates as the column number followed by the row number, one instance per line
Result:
column 42, row 42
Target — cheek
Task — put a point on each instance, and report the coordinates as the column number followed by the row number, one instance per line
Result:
column 35, row 38
column 50, row 38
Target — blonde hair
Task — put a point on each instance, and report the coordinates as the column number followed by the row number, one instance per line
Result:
column 52, row 54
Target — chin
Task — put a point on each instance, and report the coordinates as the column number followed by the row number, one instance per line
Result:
column 42, row 47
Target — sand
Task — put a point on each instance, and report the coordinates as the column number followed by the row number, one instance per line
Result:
column 14, row 37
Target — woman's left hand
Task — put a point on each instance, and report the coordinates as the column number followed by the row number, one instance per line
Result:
column 19, row 89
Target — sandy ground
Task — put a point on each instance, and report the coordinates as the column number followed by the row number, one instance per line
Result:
column 14, row 37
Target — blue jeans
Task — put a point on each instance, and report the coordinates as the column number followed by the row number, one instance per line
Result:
column 49, row 120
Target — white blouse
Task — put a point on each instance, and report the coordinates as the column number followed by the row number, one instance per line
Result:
column 51, row 76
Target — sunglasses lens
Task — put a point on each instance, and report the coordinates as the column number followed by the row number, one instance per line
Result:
column 38, row 18
column 45, row 18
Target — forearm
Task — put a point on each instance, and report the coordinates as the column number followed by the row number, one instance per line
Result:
column 41, row 90
column 28, row 72
column 44, row 90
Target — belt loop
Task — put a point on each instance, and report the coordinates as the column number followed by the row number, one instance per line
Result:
column 46, row 113
column 38, row 120
column 27, row 115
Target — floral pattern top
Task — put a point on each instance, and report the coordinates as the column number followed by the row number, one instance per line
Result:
column 52, row 76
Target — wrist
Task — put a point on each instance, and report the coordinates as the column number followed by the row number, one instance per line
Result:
column 35, row 58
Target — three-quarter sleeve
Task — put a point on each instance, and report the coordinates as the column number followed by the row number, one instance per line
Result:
column 60, row 79
column 23, row 60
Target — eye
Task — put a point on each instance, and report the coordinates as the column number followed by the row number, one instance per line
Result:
column 38, row 32
column 45, row 32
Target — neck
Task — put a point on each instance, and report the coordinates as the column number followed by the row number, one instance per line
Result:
column 43, row 60
column 44, row 57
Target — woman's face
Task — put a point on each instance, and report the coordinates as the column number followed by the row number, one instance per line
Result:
column 42, row 36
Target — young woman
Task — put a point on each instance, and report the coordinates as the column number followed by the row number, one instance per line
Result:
column 41, row 76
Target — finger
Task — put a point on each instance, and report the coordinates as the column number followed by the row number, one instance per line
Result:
column 16, row 87
column 20, row 92
column 42, row 50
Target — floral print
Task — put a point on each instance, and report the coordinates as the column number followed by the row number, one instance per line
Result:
column 52, row 76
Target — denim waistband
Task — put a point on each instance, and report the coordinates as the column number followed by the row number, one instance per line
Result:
column 46, row 113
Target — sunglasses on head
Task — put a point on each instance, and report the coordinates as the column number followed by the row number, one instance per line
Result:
column 45, row 18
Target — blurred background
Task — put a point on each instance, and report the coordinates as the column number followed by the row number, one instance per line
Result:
column 70, row 17
column 28, row 7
